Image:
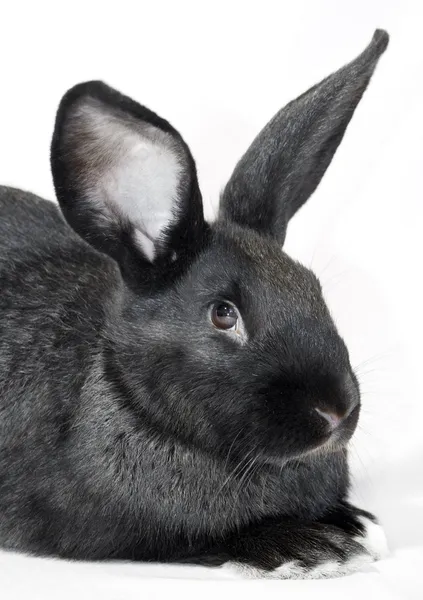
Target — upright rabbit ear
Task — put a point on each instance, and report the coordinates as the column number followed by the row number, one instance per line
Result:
column 287, row 160
column 125, row 179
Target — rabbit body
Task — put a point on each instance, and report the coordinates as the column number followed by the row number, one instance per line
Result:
column 78, row 477
column 170, row 389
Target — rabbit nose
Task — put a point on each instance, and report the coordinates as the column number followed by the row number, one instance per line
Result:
column 332, row 418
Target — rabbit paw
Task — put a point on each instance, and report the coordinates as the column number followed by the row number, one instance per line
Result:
column 308, row 553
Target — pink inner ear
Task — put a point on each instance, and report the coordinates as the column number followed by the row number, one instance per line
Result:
column 132, row 171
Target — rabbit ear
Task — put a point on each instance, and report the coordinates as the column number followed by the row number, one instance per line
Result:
column 125, row 179
column 287, row 160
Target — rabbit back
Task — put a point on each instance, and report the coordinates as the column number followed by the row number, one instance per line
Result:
column 52, row 312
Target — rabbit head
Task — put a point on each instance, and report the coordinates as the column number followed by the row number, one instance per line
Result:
column 224, row 341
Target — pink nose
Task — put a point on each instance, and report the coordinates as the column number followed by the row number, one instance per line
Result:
column 332, row 418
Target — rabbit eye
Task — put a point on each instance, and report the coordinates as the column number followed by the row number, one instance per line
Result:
column 224, row 316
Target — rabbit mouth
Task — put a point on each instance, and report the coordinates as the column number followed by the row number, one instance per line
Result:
column 337, row 439
column 330, row 442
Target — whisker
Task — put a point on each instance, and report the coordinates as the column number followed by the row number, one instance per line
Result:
column 372, row 359
column 238, row 467
column 244, row 478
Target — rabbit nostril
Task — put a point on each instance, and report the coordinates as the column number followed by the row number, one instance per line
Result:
column 332, row 418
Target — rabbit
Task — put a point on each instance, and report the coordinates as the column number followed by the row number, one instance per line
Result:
column 174, row 390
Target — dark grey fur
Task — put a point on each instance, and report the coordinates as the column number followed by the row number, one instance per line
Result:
column 129, row 426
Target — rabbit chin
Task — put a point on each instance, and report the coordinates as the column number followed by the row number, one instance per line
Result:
column 335, row 442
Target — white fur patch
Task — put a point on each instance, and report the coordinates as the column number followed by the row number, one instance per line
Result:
column 293, row 570
column 374, row 539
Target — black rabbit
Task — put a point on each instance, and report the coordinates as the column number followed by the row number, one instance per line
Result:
column 173, row 390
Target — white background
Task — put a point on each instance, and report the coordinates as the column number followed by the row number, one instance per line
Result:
column 218, row 71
